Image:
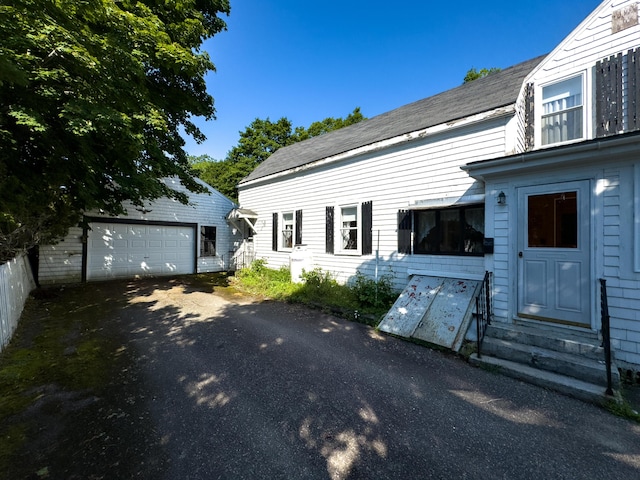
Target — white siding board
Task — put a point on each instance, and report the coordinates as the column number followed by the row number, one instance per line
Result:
column 62, row 262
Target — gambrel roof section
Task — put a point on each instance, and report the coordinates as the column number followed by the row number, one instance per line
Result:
column 494, row 91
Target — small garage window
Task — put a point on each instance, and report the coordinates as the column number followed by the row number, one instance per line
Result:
column 207, row 241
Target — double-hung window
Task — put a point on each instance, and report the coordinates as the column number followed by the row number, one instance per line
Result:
column 353, row 228
column 287, row 230
column 349, row 228
column 562, row 111
column 207, row 241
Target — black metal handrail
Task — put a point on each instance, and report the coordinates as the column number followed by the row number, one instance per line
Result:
column 606, row 332
column 483, row 309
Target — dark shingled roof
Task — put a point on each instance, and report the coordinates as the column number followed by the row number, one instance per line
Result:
column 493, row 91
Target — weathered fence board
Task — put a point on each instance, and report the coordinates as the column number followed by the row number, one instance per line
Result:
column 16, row 282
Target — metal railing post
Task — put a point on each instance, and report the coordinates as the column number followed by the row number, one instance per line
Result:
column 606, row 332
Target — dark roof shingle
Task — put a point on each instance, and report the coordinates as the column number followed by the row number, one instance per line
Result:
column 493, row 91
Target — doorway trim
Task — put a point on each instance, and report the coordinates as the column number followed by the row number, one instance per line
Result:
column 554, row 257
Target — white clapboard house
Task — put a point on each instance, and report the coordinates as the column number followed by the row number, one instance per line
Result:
column 531, row 174
column 163, row 238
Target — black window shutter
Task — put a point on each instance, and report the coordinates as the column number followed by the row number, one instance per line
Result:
column 298, row 227
column 529, row 118
column 633, row 90
column 274, row 238
column 404, row 231
column 609, row 96
column 367, row 228
column 329, row 231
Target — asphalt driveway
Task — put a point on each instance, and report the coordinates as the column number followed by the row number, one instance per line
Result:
column 213, row 385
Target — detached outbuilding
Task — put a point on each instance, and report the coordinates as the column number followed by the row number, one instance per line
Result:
column 163, row 238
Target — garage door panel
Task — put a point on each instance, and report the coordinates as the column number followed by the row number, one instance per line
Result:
column 128, row 251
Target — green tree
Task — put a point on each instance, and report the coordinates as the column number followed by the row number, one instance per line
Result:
column 257, row 142
column 473, row 74
column 94, row 97
column 327, row 125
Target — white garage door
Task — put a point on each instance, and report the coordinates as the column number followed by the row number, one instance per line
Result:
column 117, row 250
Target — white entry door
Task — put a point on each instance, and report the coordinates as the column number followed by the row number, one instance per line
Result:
column 554, row 253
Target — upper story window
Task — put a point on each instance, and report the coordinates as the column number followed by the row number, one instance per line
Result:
column 562, row 111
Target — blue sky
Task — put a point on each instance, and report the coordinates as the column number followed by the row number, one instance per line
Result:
column 308, row 60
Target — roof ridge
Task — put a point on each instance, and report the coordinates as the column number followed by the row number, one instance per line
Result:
column 458, row 102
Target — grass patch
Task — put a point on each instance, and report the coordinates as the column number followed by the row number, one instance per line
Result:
column 365, row 300
column 58, row 346
column 623, row 409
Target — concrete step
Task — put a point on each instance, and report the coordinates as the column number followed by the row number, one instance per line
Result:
column 584, row 344
column 570, row 386
column 568, row 364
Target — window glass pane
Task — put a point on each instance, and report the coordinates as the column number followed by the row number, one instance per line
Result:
column 474, row 230
column 208, row 241
column 562, row 127
column 426, row 233
column 562, row 116
column 450, row 231
column 553, row 220
column 561, row 91
column 287, row 230
column 349, row 228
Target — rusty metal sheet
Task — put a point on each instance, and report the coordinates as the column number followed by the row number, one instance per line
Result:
column 414, row 301
column 449, row 313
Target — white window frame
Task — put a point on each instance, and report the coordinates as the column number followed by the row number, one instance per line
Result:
column 586, row 108
column 339, row 230
column 283, row 227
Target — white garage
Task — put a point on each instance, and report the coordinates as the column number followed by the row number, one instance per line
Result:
column 117, row 249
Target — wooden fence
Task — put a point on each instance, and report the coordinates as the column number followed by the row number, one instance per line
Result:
column 16, row 282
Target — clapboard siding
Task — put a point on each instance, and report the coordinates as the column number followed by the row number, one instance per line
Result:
column 63, row 262
column 391, row 180
column 623, row 284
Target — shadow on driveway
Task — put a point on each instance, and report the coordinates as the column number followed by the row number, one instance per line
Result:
column 198, row 383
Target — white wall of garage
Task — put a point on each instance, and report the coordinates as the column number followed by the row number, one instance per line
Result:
column 63, row 262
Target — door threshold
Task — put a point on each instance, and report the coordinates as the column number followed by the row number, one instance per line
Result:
column 556, row 326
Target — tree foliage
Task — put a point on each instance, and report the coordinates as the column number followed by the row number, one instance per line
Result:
column 473, row 74
column 257, row 142
column 94, row 97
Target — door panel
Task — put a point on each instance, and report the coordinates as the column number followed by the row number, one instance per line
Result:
column 127, row 251
column 554, row 253
column 535, row 275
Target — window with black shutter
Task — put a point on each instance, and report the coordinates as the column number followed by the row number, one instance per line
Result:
column 445, row 231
